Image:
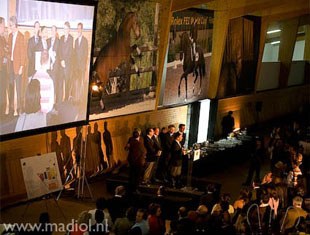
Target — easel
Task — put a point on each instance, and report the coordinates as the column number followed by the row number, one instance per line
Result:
column 45, row 197
column 80, row 167
column 49, row 163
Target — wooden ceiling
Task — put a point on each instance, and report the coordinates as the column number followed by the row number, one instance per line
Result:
column 246, row 7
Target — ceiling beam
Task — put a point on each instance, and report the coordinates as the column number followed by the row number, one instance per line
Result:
column 178, row 5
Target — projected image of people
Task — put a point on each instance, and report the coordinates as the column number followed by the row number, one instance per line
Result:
column 49, row 42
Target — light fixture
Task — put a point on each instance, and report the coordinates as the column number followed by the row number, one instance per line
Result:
column 273, row 31
column 95, row 88
column 275, row 42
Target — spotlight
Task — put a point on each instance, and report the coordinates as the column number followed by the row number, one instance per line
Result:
column 95, row 88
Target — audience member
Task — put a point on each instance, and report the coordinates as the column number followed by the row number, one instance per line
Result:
column 141, row 226
column 124, row 224
column 156, row 223
column 118, row 204
column 101, row 204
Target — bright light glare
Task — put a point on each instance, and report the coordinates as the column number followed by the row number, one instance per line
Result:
column 203, row 120
column 275, row 42
column 274, row 31
column 95, row 88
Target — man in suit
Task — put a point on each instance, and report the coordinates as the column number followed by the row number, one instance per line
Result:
column 118, row 204
column 182, row 131
column 17, row 61
column 80, row 54
column 53, row 51
column 164, row 161
column 66, row 53
column 136, row 160
column 176, row 159
column 151, row 155
column 3, row 67
column 34, row 45
column 184, row 159
column 159, row 149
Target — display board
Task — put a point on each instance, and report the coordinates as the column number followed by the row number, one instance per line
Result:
column 41, row 175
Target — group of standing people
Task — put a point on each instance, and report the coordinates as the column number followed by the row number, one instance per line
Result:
column 156, row 157
column 59, row 63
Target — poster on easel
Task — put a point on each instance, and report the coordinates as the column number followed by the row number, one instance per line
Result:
column 41, row 175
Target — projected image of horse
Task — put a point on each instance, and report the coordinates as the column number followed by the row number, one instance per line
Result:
column 118, row 51
column 190, row 65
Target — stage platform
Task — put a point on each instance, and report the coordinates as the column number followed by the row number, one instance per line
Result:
column 173, row 197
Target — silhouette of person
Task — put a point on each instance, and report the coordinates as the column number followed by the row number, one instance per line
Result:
column 77, row 144
column 65, row 147
column 55, row 147
column 97, row 143
column 228, row 123
column 107, row 139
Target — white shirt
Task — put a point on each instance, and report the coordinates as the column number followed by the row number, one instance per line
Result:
column 80, row 39
column 13, row 45
column 46, row 90
column 44, row 43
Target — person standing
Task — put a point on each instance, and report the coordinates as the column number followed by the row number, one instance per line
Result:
column 16, row 64
column 184, row 159
column 136, row 160
column 151, row 155
column 46, row 83
column 34, row 45
column 159, row 149
column 164, row 165
column 176, row 159
column 181, row 131
column 3, row 67
column 257, row 156
column 65, row 54
column 228, row 123
column 53, row 51
column 80, row 54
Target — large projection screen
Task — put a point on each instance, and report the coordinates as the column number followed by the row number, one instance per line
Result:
column 45, row 79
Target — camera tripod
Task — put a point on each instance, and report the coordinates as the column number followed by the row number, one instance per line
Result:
column 79, row 168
